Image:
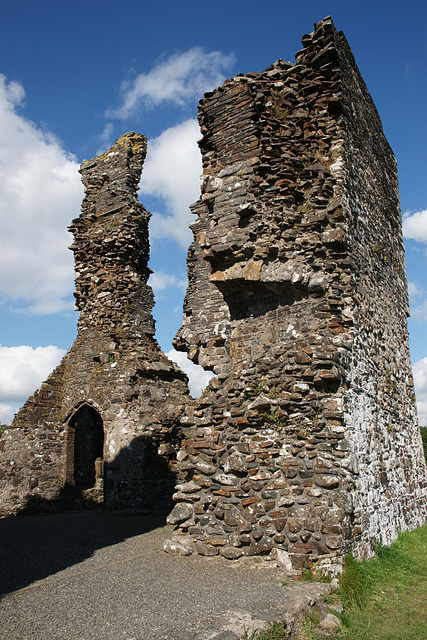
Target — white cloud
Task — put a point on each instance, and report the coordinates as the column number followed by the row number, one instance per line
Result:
column 418, row 303
column 415, row 225
column 198, row 377
column 178, row 79
column 6, row 413
column 23, row 369
column 40, row 193
column 420, row 381
column 160, row 280
column 106, row 138
column 419, row 312
column 172, row 172
column 414, row 290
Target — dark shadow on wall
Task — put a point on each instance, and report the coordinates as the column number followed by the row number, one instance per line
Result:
column 141, row 479
column 137, row 479
column 88, row 432
column 139, row 488
column 253, row 299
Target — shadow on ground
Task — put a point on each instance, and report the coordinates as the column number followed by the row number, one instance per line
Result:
column 35, row 547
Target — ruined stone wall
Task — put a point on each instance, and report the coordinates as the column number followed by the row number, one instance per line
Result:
column 114, row 371
column 384, row 444
column 306, row 443
column 297, row 299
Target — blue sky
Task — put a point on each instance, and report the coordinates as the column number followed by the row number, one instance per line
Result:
column 76, row 75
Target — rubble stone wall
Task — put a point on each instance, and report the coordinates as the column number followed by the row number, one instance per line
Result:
column 302, row 442
column 306, row 443
column 114, row 369
column 384, row 444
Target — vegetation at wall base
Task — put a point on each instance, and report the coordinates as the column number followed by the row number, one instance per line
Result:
column 383, row 598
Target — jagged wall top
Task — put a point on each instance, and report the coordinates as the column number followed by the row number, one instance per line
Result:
column 111, row 246
column 307, row 439
column 268, row 172
column 117, row 169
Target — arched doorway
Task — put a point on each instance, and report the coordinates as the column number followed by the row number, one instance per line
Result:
column 85, row 453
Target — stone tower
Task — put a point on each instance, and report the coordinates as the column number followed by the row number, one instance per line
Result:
column 306, row 443
column 307, row 440
column 104, row 424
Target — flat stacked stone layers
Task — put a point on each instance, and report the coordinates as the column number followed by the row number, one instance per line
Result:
column 297, row 299
column 114, row 370
column 111, row 287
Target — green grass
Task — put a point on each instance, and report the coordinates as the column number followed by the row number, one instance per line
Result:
column 309, row 576
column 385, row 598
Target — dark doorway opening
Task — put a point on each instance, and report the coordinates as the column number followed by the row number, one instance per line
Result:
column 87, row 427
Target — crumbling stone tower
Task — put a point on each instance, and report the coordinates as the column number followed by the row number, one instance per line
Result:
column 104, row 423
column 307, row 440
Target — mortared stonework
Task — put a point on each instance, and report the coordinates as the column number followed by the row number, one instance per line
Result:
column 306, row 443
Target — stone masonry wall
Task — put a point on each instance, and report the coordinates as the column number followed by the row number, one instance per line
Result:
column 114, row 375
column 307, row 441
column 384, row 443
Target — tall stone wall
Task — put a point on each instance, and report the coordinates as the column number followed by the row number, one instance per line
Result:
column 104, row 426
column 306, row 443
column 307, row 440
column 384, row 445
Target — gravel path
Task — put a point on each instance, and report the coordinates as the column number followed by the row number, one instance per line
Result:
column 102, row 576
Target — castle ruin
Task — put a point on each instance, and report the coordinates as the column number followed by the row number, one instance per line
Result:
column 306, row 442
column 94, row 430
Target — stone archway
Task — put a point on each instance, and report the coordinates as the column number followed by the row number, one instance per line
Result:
column 85, row 453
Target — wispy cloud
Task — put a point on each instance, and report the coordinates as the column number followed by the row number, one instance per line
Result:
column 23, row 369
column 106, row 138
column 420, row 381
column 419, row 311
column 40, row 193
column 415, row 225
column 6, row 413
column 177, row 79
column 172, row 172
column 418, row 302
column 198, row 377
column 160, row 280
column 414, row 290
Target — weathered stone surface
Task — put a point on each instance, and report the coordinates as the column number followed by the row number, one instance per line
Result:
column 330, row 623
column 297, row 300
column 104, row 424
column 180, row 513
column 179, row 545
column 306, row 443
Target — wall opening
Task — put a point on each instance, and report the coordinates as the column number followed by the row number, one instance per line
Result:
column 88, row 451
column 246, row 298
